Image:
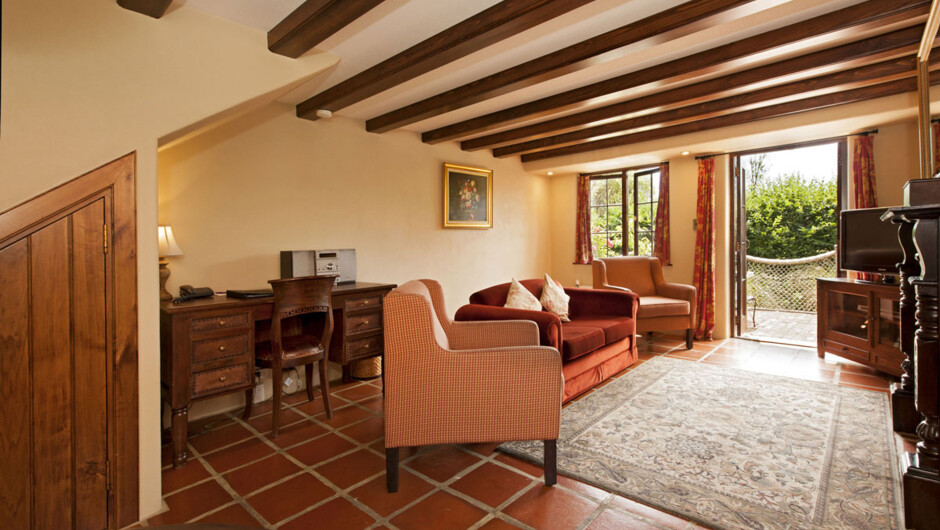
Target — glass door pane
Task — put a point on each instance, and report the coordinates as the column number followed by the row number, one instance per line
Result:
column 848, row 314
column 889, row 323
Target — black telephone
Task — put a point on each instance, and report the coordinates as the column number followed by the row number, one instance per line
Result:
column 188, row 292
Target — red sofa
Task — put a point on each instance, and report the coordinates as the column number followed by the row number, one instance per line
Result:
column 598, row 342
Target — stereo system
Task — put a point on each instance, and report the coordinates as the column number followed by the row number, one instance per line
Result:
column 340, row 263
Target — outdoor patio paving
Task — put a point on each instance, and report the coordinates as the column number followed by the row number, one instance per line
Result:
column 792, row 327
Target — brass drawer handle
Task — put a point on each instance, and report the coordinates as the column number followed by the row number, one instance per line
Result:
column 221, row 348
column 222, row 379
column 221, row 322
column 367, row 346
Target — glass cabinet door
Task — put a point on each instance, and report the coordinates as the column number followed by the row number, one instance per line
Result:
column 889, row 323
column 848, row 314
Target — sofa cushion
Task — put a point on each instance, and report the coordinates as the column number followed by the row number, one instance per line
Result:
column 659, row 306
column 578, row 340
column 614, row 328
column 520, row 298
column 554, row 299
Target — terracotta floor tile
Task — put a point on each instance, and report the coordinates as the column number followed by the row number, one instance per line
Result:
column 375, row 495
column 297, row 433
column 263, row 472
column 166, row 455
column 191, row 503
column 262, row 422
column 263, row 407
column 375, row 403
column 192, row 472
column 593, row 492
column 492, row 484
column 212, row 440
column 861, row 387
column 442, row 462
column 352, row 468
column 482, row 449
column 338, row 513
column 855, row 368
column 344, row 416
column 357, row 393
column 526, row 467
column 234, row 515
column 238, row 455
column 440, row 510
column 498, row 524
column 648, row 512
column 320, row 449
column 864, row 380
column 614, row 520
column 367, row 430
column 547, row 508
column 312, row 408
column 299, row 397
column 691, row 355
column 644, row 356
column 287, row 498
column 209, row 423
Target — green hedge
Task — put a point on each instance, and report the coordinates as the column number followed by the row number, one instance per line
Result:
column 791, row 217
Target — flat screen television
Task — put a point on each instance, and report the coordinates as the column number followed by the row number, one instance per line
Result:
column 868, row 244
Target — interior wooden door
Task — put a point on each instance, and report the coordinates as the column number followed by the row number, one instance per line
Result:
column 57, row 372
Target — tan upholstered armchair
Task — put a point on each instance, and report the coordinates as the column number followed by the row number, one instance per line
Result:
column 663, row 306
column 452, row 382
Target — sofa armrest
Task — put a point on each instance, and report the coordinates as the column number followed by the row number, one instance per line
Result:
column 602, row 302
column 493, row 334
column 548, row 323
column 608, row 287
column 679, row 291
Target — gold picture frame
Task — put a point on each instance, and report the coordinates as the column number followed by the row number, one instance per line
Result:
column 468, row 197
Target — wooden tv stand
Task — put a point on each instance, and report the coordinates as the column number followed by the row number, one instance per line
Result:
column 860, row 321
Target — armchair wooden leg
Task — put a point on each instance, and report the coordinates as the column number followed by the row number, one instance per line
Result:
column 276, row 380
column 689, row 336
column 325, row 388
column 551, row 462
column 391, row 469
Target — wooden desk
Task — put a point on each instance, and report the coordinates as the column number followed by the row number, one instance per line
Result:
column 208, row 345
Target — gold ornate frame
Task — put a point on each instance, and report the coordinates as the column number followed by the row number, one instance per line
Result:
column 451, row 220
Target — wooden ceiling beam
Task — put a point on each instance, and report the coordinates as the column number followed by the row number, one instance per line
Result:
column 891, row 88
column 314, row 21
column 561, row 62
column 896, row 42
column 487, row 27
column 151, row 8
column 846, row 79
column 866, row 13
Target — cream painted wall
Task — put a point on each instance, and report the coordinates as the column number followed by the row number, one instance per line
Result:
column 895, row 164
column 87, row 82
column 238, row 195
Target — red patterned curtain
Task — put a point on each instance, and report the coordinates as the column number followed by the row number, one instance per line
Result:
column 936, row 146
column 863, row 172
column 582, row 249
column 703, row 277
column 661, row 224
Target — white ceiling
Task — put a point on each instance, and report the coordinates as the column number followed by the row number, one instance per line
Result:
column 395, row 25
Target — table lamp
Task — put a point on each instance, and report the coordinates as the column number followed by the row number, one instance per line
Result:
column 168, row 247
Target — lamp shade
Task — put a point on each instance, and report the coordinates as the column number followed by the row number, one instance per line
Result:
column 166, row 242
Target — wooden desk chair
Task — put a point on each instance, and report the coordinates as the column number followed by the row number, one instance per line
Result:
column 304, row 305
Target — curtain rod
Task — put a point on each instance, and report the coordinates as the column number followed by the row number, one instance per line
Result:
column 622, row 169
column 703, row 157
column 865, row 133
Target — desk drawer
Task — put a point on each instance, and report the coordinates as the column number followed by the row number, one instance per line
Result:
column 234, row 320
column 361, row 348
column 843, row 350
column 211, row 381
column 367, row 302
column 220, row 348
column 363, row 322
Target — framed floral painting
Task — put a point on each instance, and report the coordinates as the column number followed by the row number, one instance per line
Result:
column 468, row 197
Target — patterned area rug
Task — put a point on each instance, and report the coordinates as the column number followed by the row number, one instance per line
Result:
column 730, row 448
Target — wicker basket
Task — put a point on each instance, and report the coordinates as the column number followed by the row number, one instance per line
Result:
column 366, row 368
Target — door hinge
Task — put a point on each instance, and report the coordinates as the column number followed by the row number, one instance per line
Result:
column 105, row 238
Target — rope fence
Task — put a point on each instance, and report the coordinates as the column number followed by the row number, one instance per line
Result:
column 788, row 284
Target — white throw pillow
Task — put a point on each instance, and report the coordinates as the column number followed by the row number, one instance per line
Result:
column 554, row 299
column 520, row 298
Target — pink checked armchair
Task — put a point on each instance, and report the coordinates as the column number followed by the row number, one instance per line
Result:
column 452, row 382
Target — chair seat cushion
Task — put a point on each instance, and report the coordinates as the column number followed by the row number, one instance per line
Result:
column 578, row 339
column 614, row 328
column 660, row 306
column 295, row 347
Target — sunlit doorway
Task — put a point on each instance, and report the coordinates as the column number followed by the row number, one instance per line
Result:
column 785, row 225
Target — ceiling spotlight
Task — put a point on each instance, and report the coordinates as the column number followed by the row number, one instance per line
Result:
column 550, row 173
column 323, row 113
column 685, row 153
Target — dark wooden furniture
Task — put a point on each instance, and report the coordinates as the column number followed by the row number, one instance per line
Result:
column 302, row 303
column 68, row 355
column 922, row 468
column 860, row 321
column 208, row 345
